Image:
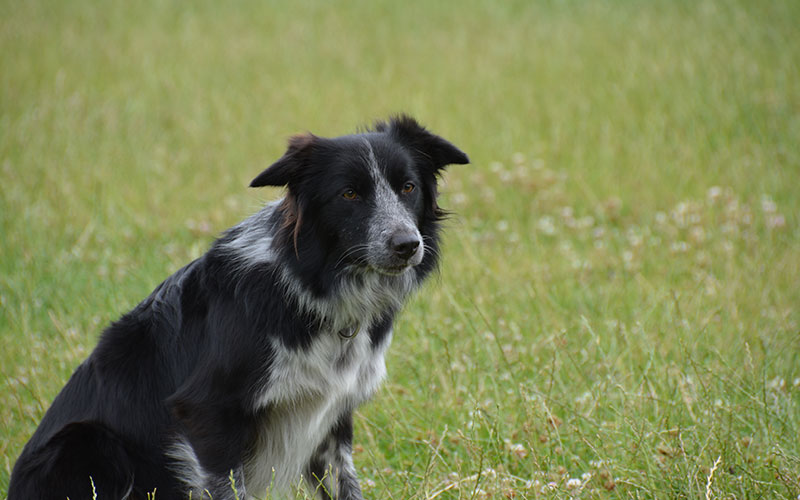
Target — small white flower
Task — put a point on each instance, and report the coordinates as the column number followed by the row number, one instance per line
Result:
column 546, row 225
column 776, row 221
column 634, row 238
column 530, row 484
column 518, row 450
column 495, row 166
column 697, row 234
column 679, row 247
column 777, row 384
column 585, row 222
column 767, row 205
column 459, row 198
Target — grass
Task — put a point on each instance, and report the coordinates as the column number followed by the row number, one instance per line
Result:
column 617, row 313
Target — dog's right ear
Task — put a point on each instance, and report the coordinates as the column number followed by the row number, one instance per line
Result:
column 286, row 168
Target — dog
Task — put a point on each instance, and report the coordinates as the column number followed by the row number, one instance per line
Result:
column 238, row 376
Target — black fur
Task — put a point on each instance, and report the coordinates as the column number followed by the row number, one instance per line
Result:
column 195, row 362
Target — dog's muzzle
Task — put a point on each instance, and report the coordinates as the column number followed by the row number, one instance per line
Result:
column 401, row 250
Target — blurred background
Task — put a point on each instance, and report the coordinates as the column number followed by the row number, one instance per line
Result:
column 617, row 309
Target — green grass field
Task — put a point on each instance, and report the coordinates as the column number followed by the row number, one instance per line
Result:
column 617, row 313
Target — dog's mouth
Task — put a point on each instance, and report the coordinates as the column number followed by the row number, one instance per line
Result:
column 382, row 269
column 392, row 270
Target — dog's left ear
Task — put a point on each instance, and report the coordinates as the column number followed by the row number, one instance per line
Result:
column 287, row 167
column 433, row 148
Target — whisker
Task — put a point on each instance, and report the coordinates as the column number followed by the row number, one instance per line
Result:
column 350, row 251
column 436, row 252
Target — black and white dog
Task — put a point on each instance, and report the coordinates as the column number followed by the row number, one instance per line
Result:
column 242, row 369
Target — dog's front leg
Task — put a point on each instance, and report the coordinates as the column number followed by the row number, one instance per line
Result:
column 224, row 487
column 331, row 471
column 211, row 435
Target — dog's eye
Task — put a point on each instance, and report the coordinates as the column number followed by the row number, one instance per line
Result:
column 408, row 187
column 349, row 194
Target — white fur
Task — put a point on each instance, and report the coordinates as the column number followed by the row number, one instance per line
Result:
column 187, row 467
column 253, row 243
column 308, row 392
column 390, row 216
column 359, row 300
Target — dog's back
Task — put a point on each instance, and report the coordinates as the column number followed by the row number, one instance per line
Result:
column 101, row 425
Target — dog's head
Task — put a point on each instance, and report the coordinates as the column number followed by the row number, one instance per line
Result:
column 364, row 202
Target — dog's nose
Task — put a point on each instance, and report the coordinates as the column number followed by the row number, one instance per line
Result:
column 404, row 245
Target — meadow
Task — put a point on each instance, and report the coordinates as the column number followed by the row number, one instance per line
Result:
column 617, row 313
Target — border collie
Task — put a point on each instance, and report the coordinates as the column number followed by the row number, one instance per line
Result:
column 241, row 371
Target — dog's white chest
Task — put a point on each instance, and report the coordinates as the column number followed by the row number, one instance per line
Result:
column 307, row 393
